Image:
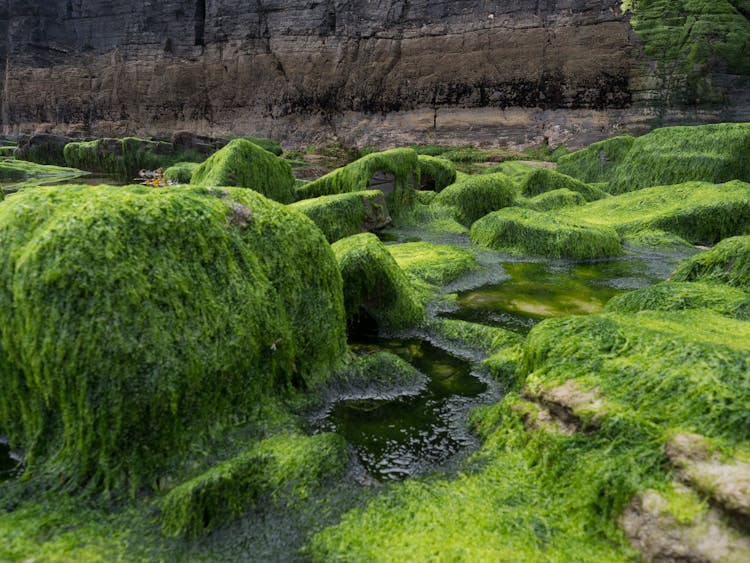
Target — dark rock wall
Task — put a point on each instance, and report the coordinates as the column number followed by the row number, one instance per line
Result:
column 364, row 71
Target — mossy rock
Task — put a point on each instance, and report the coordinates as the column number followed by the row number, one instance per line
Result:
column 436, row 173
column 671, row 155
column 556, row 199
column 284, row 468
column 243, row 164
column 728, row 263
column 343, row 215
column 698, row 212
column 266, row 144
column 541, row 181
column 477, row 196
column 678, row 296
column 17, row 170
column 530, row 232
column 192, row 307
column 122, row 158
column 394, row 172
column 472, row 337
column 516, row 170
column 436, row 264
column 180, row 173
column 374, row 285
column 42, row 149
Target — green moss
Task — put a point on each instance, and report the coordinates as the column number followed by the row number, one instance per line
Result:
column 555, row 199
column 436, row 264
column 504, row 365
column 516, row 170
column 676, row 296
column 343, row 215
column 401, row 164
column 436, row 173
column 266, row 144
column 122, row 158
column 728, row 262
column 180, row 173
column 477, row 196
column 654, row 240
column 7, row 151
column 541, row 181
column 698, row 212
column 280, row 469
column 243, row 164
column 426, row 197
column 12, row 169
column 671, row 155
column 485, row 340
column 374, row 284
column 435, row 219
column 191, row 307
column 530, row 232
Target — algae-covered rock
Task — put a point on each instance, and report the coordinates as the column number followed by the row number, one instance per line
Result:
column 436, row 264
column 530, row 232
column 728, row 262
column 180, row 173
column 436, row 173
column 123, row 158
column 343, row 215
column 189, row 307
column 671, row 155
column 477, row 196
column 243, row 164
column 266, row 144
column 394, row 172
column 42, row 149
column 17, row 170
column 375, row 285
column 284, row 468
column 677, row 296
column 556, row 199
column 542, row 180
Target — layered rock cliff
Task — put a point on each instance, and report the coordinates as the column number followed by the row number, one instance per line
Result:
column 362, row 71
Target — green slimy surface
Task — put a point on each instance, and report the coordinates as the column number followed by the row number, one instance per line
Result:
column 405, row 437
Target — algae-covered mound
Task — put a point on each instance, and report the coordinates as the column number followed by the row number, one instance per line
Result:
column 436, row 173
column 699, row 212
column 394, row 172
column 180, row 173
column 476, row 196
column 243, row 164
column 284, row 468
column 677, row 296
column 374, row 285
column 541, row 181
column 119, row 157
column 530, row 232
column 266, row 144
column 134, row 320
column 12, row 169
column 343, row 215
column 728, row 262
column 436, row 264
column 671, row 155
column 556, row 199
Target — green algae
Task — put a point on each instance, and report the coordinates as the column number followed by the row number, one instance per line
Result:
column 728, row 263
column 670, row 155
column 243, row 164
column 435, row 264
column 541, row 181
column 181, row 172
column 13, row 170
column 698, row 212
column 184, row 288
column 281, row 469
column 266, row 144
column 436, row 173
column 516, row 170
column 478, row 338
column 677, row 296
column 395, row 172
column 343, row 215
column 530, row 232
column 476, row 196
column 651, row 240
column 556, row 199
column 374, row 284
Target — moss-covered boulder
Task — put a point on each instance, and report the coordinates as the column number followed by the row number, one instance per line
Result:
column 122, row 158
column 188, row 309
column 42, row 149
column 394, row 172
column 526, row 231
column 374, row 285
column 728, row 263
column 18, row 170
column 671, row 155
column 282, row 469
column 556, row 199
column 698, row 212
column 476, row 196
column 436, row 264
column 542, row 180
column 436, row 173
column 344, row 215
column 180, row 173
column 266, row 144
column 243, row 164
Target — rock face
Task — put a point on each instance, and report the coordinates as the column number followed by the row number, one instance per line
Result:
column 372, row 72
